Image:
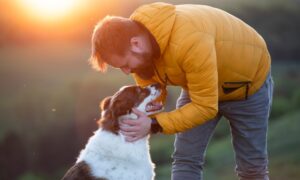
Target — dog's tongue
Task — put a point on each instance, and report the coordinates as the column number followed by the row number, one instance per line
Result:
column 154, row 106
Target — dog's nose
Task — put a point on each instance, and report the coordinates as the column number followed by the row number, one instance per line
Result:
column 156, row 85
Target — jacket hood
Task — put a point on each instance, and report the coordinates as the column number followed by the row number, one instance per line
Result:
column 158, row 18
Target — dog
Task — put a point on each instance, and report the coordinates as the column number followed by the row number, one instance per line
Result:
column 107, row 156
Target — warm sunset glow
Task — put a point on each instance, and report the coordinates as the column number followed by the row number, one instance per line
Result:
column 49, row 8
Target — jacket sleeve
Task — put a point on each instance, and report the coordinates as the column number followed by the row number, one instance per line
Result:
column 197, row 58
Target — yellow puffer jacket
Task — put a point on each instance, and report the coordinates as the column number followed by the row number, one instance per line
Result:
column 210, row 53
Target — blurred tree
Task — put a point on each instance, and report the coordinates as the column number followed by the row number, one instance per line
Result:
column 55, row 148
column 279, row 26
column 13, row 157
column 280, row 106
column 296, row 99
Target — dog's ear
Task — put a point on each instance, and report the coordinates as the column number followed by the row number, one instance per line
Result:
column 108, row 121
column 105, row 103
column 122, row 107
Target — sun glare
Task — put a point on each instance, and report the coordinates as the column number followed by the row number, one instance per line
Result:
column 49, row 8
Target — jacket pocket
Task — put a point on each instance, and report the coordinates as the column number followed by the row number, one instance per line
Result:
column 229, row 87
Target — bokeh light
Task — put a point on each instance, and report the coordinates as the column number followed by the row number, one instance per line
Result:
column 49, row 9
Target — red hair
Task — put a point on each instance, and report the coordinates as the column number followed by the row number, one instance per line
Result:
column 112, row 36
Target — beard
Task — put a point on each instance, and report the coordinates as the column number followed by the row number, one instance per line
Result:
column 146, row 69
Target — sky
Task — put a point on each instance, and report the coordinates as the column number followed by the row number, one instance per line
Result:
column 31, row 20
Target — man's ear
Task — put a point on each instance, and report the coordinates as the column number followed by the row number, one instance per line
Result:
column 138, row 44
column 105, row 103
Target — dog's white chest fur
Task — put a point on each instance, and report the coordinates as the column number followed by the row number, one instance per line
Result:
column 111, row 157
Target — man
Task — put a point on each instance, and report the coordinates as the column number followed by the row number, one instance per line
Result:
column 222, row 65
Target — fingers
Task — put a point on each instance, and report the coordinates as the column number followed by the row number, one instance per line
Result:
column 127, row 128
column 130, row 122
column 138, row 113
column 128, row 133
column 130, row 136
column 132, row 139
column 134, row 130
column 131, row 133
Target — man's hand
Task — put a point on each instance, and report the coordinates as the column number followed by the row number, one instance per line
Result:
column 135, row 129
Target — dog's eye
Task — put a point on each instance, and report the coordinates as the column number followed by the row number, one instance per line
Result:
column 144, row 92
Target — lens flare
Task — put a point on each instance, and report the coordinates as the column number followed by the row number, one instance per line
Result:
column 49, row 8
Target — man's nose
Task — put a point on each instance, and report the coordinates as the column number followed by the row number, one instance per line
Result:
column 126, row 70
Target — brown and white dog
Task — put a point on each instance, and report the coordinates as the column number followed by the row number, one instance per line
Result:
column 107, row 156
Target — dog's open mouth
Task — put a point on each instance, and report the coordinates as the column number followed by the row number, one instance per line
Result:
column 154, row 100
column 154, row 106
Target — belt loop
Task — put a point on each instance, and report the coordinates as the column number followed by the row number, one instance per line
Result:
column 247, row 90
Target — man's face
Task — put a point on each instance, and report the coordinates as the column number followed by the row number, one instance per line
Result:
column 132, row 62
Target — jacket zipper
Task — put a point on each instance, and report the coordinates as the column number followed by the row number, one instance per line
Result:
column 166, row 80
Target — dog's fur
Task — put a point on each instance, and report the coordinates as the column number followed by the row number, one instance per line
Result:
column 107, row 156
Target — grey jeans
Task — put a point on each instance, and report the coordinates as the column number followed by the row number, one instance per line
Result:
column 248, row 121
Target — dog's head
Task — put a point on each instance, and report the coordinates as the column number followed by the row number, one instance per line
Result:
column 122, row 102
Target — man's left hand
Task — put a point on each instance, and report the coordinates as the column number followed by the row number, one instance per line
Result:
column 135, row 129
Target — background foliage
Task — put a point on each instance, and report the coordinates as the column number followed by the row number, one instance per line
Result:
column 50, row 96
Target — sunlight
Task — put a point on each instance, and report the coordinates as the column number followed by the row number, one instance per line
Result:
column 49, row 8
